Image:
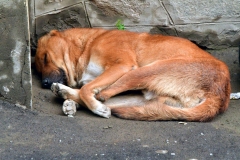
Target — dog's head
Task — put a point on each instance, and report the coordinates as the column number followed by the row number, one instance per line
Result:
column 49, row 59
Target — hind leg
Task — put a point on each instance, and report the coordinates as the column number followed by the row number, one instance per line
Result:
column 136, row 79
column 179, row 78
column 132, row 80
column 155, row 109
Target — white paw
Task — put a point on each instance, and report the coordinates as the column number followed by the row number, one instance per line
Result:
column 60, row 90
column 102, row 110
column 70, row 107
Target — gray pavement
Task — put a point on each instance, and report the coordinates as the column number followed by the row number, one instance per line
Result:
column 45, row 133
column 31, row 135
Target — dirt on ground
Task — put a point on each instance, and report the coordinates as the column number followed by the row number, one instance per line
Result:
column 46, row 133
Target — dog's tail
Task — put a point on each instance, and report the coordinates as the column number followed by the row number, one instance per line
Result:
column 156, row 110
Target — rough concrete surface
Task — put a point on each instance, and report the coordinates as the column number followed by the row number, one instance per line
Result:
column 45, row 133
column 15, row 74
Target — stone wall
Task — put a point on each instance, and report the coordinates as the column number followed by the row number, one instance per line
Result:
column 15, row 75
column 212, row 24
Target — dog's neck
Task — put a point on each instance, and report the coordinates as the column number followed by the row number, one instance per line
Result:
column 79, row 43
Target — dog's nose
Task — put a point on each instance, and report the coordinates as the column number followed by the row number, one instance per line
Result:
column 46, row 83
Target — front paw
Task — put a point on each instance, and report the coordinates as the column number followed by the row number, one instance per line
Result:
column 70, row 107
column 102, row 110
column 60, row 90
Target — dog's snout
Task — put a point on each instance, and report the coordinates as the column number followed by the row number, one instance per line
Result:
column 54, row 77
column 46, row 83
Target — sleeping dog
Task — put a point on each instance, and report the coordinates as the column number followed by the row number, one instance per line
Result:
column 179, row 80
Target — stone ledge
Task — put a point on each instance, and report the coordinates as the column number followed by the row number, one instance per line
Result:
column 212, row 36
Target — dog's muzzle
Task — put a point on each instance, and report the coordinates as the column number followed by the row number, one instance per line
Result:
column 54, row 77
column 47, row 83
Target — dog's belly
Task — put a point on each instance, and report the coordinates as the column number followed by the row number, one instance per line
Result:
column 92, row 71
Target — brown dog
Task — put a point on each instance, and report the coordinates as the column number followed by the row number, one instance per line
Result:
column 179, row 80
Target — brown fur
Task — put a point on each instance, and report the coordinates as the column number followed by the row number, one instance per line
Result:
column 171, row 68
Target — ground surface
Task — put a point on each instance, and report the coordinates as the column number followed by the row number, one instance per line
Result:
column 45, row 133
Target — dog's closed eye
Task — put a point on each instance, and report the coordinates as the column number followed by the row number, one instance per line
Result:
column 45, row 59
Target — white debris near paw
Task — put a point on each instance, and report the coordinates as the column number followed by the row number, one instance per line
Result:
column 161, row 151
column 235, row 95
column 184, row 123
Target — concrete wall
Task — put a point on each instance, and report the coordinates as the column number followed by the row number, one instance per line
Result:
column 15, row 74
column 213, row 24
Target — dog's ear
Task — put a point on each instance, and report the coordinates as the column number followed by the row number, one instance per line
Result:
column 54, row 33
